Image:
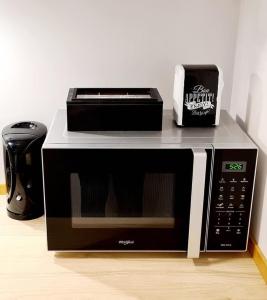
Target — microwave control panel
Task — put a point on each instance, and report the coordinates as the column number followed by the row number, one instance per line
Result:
column 231, row 199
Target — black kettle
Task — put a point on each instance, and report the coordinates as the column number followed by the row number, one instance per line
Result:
column 22, row 144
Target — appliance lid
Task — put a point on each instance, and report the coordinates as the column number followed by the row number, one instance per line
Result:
column 26, row 128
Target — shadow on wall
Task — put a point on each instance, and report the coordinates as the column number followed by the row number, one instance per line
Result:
column 251, row 124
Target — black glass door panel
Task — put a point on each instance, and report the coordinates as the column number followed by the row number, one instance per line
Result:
column 117, row 199
column 122, row 200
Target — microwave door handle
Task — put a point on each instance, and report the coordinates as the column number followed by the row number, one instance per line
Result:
column 197, row 201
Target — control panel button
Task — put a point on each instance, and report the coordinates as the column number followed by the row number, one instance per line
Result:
column 217, row 231
column 232, row 188
column 220, row 197
column 222, row 180
column 229, row 214
column 230, row 205
column 220, row 205
column 243, row 189
column 228, row 229
column 238, row 231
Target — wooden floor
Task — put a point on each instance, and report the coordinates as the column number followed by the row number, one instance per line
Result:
column 29, row 271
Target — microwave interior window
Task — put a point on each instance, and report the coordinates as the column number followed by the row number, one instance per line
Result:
column 119, row 200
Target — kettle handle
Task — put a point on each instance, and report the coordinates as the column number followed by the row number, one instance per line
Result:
column 13, row 160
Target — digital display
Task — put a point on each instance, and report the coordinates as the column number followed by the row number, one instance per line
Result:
column 234, row 166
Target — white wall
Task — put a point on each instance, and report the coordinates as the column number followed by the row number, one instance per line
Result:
column 46, row 47
column 249, row 100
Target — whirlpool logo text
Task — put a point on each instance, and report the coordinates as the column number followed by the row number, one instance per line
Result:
column 126, row 242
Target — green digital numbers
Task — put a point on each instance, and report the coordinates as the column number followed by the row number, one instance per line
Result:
column 234, row 166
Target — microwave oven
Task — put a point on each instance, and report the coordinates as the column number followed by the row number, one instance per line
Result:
column 179, row 189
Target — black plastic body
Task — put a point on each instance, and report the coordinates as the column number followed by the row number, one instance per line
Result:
column 22, row 144
column 114, row 114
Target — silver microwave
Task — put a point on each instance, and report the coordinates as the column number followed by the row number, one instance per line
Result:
column 179, row 189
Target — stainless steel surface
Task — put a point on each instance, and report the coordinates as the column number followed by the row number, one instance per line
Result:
column 227, row 135
column 209, row 199
column 197, row 200
column 252, row 198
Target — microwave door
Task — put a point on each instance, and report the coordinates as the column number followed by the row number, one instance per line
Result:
column 124, row 199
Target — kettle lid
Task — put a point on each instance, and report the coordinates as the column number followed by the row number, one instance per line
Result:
column 25, row 127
